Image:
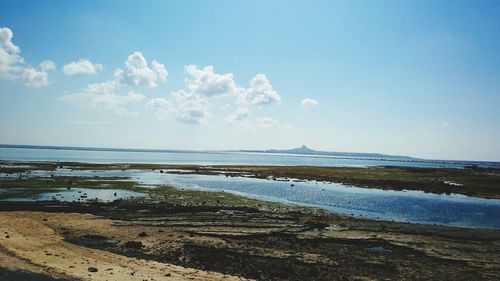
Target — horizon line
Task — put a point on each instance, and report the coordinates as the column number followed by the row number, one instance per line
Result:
column 164, row 150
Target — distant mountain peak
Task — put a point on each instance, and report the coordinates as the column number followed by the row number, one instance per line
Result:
column 303, row 148
column 307, row 151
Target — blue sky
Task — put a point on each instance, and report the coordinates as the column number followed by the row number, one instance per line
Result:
column 418, row 78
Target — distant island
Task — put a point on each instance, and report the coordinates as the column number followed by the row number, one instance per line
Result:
column 304, row 150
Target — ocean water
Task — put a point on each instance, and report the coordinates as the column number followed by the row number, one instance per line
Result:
column 213, row 158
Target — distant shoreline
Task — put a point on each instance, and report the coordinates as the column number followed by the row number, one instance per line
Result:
column 256, row 152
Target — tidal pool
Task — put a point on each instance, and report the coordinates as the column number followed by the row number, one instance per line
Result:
column 76, row 195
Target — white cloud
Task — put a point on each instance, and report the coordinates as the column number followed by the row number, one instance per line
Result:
column 35, row 78
column 138, row 73
column 204, row 81
column 203, row 87
column 13, row 66
column 184, row 107
column 47, row 65
column 160, row 70
column 260, row 92
column 267, row 122
column 239, row 115
column 102, row 95
column 6, row 41
column 82, row 66
column 309, row 102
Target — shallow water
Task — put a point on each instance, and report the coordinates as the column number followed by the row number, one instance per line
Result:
column 402, row 206
column 77, row 195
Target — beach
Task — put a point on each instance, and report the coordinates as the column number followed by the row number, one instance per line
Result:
column 187, row 234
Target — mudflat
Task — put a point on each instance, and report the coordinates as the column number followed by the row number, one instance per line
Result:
column 470, row 181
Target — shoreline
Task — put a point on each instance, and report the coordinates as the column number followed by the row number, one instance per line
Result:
column 211, row 235
column 242, row 242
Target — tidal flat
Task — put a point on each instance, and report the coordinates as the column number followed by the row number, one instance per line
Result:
column 167, row 233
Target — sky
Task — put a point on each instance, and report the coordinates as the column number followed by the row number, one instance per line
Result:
column 415, row 78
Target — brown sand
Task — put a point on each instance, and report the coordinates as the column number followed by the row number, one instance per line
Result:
column 28, row 242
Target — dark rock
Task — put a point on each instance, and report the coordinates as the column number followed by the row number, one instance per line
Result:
column 143, row 234
column 95, row 237
column 92, row 269
column 133, row 245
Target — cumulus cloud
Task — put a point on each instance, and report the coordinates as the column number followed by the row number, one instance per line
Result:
column 105, row 95
column 82, row 66
column 204, row 81
column 309, row 102
column 260, row 92
column 138, row 73
column 203, row 87
column 12, row 65
column 184, row 107
column 6, row 41
column 239, row 115
column 35, row 78
column 47, row 65
column 102, row 95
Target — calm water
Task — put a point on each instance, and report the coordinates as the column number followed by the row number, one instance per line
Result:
column 403, row 206
column 76, row 195
column 206, row 158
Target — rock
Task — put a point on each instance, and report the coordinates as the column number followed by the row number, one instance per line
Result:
column 133, row 245
column 92, row 269
column 95, row 237
column 143, row 234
